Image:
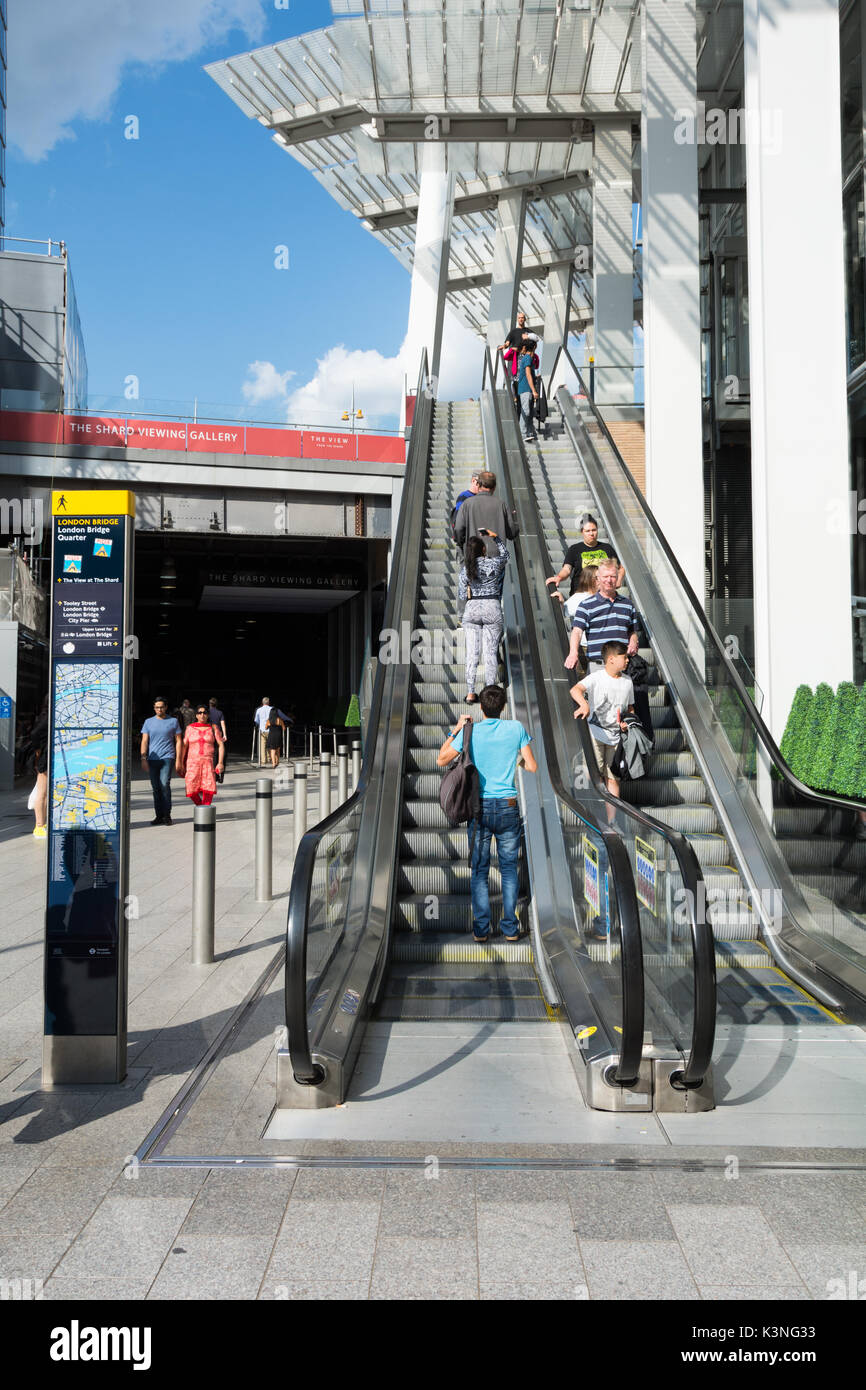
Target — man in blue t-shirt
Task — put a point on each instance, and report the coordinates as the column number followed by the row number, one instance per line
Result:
column 498, row 745
column 160, row 749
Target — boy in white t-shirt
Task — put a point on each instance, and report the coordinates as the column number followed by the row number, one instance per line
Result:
column 604, row 697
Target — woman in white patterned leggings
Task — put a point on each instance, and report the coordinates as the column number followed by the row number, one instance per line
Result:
column 480, row 586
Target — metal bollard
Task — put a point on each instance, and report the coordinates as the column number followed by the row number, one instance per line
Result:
column 320, row 740
column 299, row 803
column 356, row 762
column 311, row 750
column 334, row 733
column 342, row 773
column 203, row 881
column 324, row 786
column 264, row 839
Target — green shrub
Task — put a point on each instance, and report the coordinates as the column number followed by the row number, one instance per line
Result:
column 850, row 778
column 353, row 714
column 792, row 746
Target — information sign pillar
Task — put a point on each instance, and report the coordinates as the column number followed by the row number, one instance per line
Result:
column 88, row 788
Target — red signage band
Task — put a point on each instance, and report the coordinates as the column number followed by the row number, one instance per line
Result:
column 38, row 427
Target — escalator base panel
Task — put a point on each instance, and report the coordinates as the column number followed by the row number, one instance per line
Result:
column 413, row 947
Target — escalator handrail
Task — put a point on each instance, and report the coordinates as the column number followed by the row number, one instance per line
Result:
column 623, row 887
column 701, row 935
column 827, row 799
column 304, row 1069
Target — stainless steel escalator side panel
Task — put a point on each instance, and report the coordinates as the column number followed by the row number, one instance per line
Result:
column 833, row 979
column 348, row 980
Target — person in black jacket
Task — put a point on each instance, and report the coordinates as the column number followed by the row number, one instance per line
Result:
column 37, row 749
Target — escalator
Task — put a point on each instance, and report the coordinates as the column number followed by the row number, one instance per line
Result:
column 436, row 970
column 786, row 893
column 380, row 914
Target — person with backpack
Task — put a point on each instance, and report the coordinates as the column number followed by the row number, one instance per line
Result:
column 479, row 587
column 485, row 512
column 497, row 746
column 464, row 496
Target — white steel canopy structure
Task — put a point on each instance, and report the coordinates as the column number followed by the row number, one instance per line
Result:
column 512, row 88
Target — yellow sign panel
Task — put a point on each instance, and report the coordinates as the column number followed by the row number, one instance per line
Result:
column 92, row 502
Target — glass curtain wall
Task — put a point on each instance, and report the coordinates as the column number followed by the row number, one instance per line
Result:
column 852, row 58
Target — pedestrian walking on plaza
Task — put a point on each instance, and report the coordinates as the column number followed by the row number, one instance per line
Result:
column 216, row 716
column 37, row 749
column 196, row 762
column 605, row 617
column 184, row 714
column 498, row 745
column 160, row 752
column 480, row 588
column 275, row 727
column 485, row 512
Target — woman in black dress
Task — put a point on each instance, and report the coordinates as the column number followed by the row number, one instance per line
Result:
column 274, row 744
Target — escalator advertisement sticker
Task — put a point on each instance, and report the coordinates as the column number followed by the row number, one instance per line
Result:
column 645, row 866
column 590, row 876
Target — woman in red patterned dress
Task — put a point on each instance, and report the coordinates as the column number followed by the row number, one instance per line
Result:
column 198, row 768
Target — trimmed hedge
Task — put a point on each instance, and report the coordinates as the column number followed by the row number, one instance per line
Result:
column 793, row 746
column 824, row 742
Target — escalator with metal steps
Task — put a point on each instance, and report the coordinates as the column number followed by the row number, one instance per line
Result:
column 673, row 792
column 436, row 970
column 380, row 923
column 785, row 890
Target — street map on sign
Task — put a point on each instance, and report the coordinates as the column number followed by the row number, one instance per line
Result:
column 84, row 761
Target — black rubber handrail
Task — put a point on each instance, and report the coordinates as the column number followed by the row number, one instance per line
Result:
column 304, row 1069
column 827, row 799
column 626, row 1071
column 702, row 940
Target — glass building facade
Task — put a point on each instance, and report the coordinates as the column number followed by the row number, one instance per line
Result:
column 2, row 118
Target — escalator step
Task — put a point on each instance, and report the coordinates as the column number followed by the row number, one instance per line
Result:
column 482, row 1010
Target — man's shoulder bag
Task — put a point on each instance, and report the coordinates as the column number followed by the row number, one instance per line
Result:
column 460, row 788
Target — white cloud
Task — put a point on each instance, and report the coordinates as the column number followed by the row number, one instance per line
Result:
column 378, row 380
column 66, row 61
column 267, row 383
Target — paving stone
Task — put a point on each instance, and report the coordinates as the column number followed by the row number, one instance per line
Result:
column 415, row 1205
column 804, row 1208
column 723, row 1293
column 143, row 1180
column 617, row 1206
column 64, row 1287
column 56, row 1201
column 30, row 1257
column 445, row 1263
column 126, row 1239
column 523, row 1242
column 300, row 1289
column 250, row 1203
column 328, row 1240
column 212, row 1267
column 830, row 1271
column 639, row 1269
column 730, row 1245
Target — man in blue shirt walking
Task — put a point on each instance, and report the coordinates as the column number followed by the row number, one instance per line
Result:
column 160, row 750
column 498, row 745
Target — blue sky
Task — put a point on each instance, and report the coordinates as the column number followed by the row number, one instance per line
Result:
column 171, row 237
